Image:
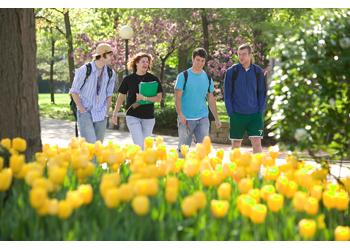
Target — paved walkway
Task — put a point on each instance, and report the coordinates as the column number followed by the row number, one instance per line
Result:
column 59, row 132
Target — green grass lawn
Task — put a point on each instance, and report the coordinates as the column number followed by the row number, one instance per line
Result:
column 61, row 109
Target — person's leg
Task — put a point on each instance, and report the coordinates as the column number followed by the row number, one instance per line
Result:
column 135, row 128
column 255, row 130
column 201, row 130
column 147, row 127
column 100, row 129
column 86, row 127
column 236, row 143
column 237, row 129
column 185, row 134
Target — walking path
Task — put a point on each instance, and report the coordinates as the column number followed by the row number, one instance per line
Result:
column 59, row 132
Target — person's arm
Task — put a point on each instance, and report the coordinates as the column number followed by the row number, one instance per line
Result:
column 76, row 85
column 120, row 100
column 178, row 106
column 262, row 92
column 110, row 89
column 228, row 89
column 77, row 101
column 212, row 105
column 156, row 98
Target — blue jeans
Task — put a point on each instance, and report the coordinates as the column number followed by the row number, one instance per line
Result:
column 198, row 128
column 139, row 128
column 91, row 131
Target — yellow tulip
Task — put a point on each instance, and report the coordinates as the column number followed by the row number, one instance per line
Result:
column 52, row 207
column 329, row 199
column 37, row 197
column 57, row 174
column 140, row 205
column 282, row 184
column 219, row 208
column 220, row 153
column 235, row 154
column 172, row 182
column 271, row 173
column 224, row 191
column 112, row 198
column 147, row 187
column 266, row 191
column 191, row 167
column 311, row 206
column 65, row 209
column 189, row 206
column 292, row 189
column 86, row 193
column 245, row 185
column 299, row 201
column 43, row 183
column 316, row 192
column 126, row 192
column 5, row 179
column 19, row 144
column 307, row 228
column 148, row 143
column 6, row 143
column 342, row 200
column 75, row 198
column 255, row 194
column 206, row 177
column 320, row 221
column 342, row 233
column 1, row 163
column 275, row 202
column 16, row 163
column 207, row 144
column 184, row 150
column 171, row 194
column 258, row 213
column 245, row 204
column 200, row 198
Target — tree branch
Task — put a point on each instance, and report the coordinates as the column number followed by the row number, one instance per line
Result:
column 51, row 22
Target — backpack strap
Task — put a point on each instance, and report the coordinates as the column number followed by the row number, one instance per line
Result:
column 88, row 73
column 186, row 77
column 209, row 79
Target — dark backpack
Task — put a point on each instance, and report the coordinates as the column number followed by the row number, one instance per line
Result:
column 211, row 117
column 72, row 103
column 257, row 75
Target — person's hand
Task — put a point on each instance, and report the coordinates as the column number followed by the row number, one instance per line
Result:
column 218, row 124
column 115, row 118
column 140, row 97
column 81, row 109
column 183, row 119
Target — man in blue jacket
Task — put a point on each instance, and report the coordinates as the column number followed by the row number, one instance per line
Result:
column 245, row 98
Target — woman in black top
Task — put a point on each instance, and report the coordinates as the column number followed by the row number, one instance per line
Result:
column 139, row 118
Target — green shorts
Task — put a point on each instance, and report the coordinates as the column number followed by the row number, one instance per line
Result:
column 240, row 123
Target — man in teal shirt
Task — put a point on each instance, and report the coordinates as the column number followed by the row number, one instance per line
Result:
column 193, row 87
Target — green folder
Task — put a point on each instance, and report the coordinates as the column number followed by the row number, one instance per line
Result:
column 148, row 89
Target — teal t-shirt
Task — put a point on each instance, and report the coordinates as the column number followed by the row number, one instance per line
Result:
column 194, row 105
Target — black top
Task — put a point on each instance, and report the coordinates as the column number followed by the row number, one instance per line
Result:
column 130, row 86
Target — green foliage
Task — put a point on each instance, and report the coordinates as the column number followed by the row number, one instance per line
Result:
column 311, row 89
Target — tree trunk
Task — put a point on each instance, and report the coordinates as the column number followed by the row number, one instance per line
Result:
column 205, row 24
column 182, row 55
column 52, row 62
column 69, row 39
column 162, row 102
column 19, row 116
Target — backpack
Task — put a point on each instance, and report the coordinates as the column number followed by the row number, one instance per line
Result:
column 211, row 116
column 72, row 103
column 257, row 75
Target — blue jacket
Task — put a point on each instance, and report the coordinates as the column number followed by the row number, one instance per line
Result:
column 246, row 95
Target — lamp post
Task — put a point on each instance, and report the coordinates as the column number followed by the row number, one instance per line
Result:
column 126, row 33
